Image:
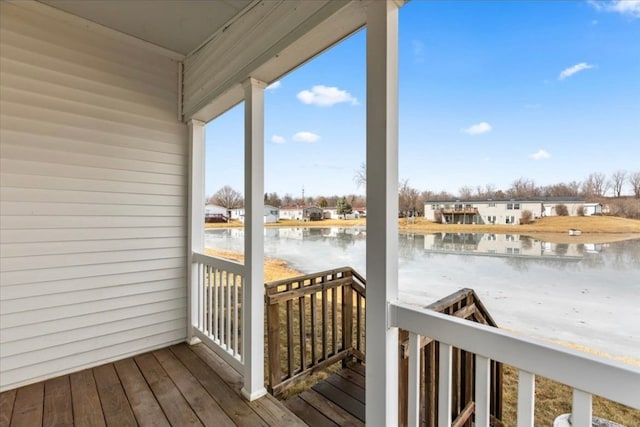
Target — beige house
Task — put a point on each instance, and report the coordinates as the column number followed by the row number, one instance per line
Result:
column 103, row 113
column 498, row 211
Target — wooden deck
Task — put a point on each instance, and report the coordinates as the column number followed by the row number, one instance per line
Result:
column 177, row 386
column 336, row 401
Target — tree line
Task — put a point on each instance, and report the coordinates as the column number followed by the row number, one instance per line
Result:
column 596, row 187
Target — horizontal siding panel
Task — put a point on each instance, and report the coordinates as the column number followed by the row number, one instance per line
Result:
column 42, row 168
column 88, row 209
column 10, row 250
column 80, row 71
column 10, row 111
column 53, row 353
column 87, row 272
column 31, row 290
column 48, row 314
column 48, row 183
column 10, row 264
column 37, row 128
column 67, row 145
column 68, row 299
column 27, row 77
column 99, row 109
column 13, row 223
column 51, row 196
column 42, row 236
column 167, row 333
column 61, row 325
column 74, row 335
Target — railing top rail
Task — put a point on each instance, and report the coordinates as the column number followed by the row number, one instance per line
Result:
column 222, row 264
column 607, row 378
column 335, row 271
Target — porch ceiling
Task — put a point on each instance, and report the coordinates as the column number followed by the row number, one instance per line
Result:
column 178, row 25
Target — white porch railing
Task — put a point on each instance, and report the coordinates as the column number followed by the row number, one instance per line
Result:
column 587, row 375
column 218, row 307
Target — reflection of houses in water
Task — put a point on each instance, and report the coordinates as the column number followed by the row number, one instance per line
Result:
column 301, row 233
column 508, row 245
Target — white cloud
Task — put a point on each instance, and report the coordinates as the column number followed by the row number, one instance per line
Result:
column 568, row 72
column 540, row 155
column 304, row 136
column 624, row 7
column 274, row 85
column 478, row 128
column 278, row 139
column 326, row 96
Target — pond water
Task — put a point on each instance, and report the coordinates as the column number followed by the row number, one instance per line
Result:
column 585, row 293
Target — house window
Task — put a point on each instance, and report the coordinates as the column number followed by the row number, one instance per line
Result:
column 491, row 237
column 510, row 250
column 509, row 238
column 467, row 206
column 516, row 206
column 492, row 205
column 458, row 206
column 509, row 206
column 511, row 219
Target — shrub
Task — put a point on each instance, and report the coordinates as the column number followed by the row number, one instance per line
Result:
column 562, row 210
column 581, row 211
column 526, row 217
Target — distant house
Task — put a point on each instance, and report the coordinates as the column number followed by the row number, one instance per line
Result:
column 271, row 214
column 215, row 213
column 497, row 211
column 332, row 213
column 301, row 213
column 592, row 209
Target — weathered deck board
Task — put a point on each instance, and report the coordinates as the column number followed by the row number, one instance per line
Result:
column 57, row 403
column 28, row 406
column 87, row 409
column 146, row 390
column 308, row 413
column 143, row 403
column 339, row 399
column 117, row 412
column 6, row 407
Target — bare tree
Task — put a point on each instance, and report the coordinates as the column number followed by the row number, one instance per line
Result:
column 227, row 197
column 407, row 197
column 618, row 178
column 562, row 189
column 465, row 192
column 360, row 178
column 595, row 185
column 634, row 180
column 524, row 187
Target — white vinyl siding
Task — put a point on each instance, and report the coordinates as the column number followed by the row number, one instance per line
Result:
column 93, row 190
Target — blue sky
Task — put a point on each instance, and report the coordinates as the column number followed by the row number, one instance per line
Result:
column 490, row 91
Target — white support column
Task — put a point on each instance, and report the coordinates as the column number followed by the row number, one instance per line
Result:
column 195, row 221
column 382, row 212
column 253, row 286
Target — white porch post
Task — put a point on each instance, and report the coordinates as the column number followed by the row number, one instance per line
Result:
column 382, row 208
column 253, row 287
column 195, row 215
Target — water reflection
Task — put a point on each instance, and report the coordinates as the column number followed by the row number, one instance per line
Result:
column 584, row 293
